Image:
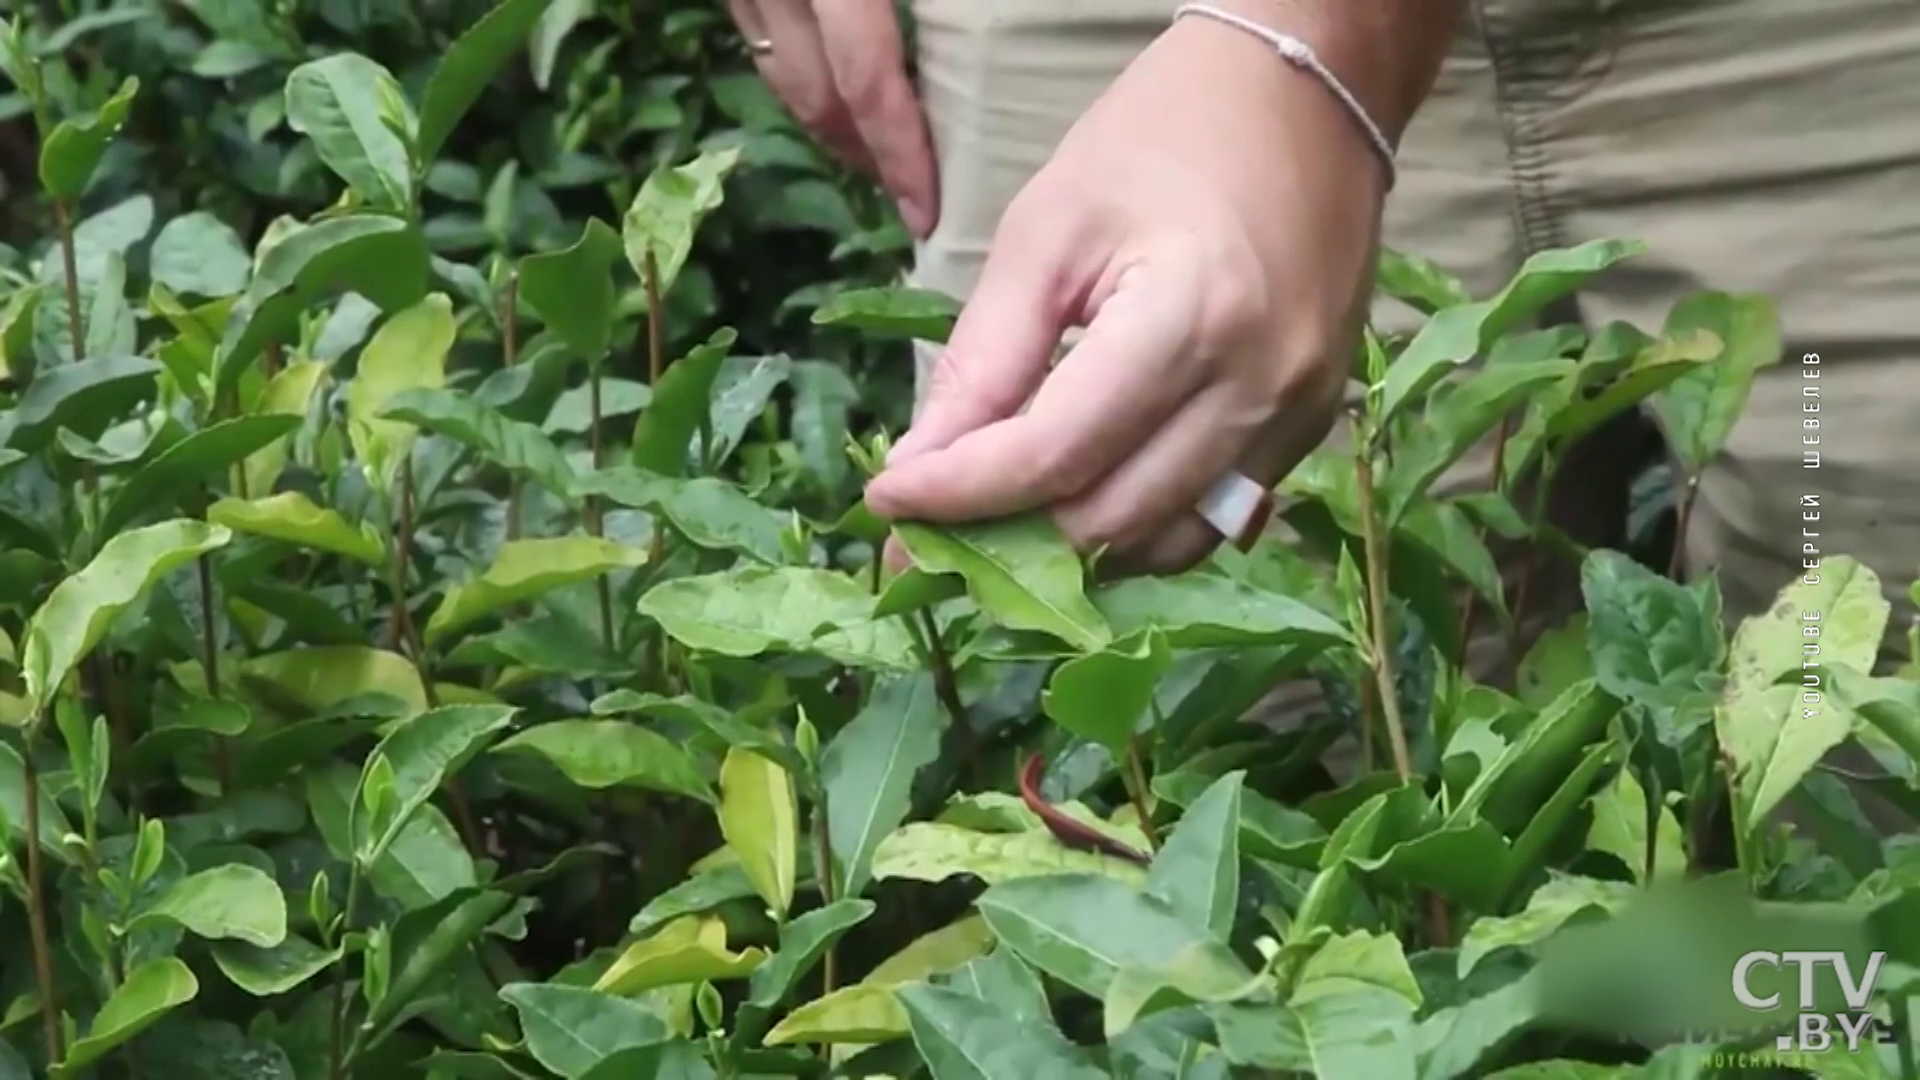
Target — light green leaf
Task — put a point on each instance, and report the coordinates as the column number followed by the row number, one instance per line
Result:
column 148, row 993
column 754, row 610
column 892, row 312
column 519, row 447
column 523, row 570
column 1084, row 929
column 83, row 397
column 408, row 352
column 1620, row 829
column 1354, row 961
column 691, row 950
column 1102, row 696
column 1197, row 871
column 680, row 407
column 289, row 393
column 265, row 972
column 867, row 772
column 77, row 614
column 570, row 1029
column 934, row 852
column 422, row 753
column 13, row 806
column 292, row 517
column 1652, row 639
column 235, row 901
column 197, row 254
column 760, row 819
column 1365, row 1033
column 184, row 467
column 802, row 943
column 661, row 221
column 74, row 147
column 859, row 1014
column 964, row 1038
column 1021, row 571
column 349, row 106
column 1698, row 410
column 1562, row 901
column 711, row 513
column 468, row 65
column 317, row 678
column 1199, row 611
column 600, row 754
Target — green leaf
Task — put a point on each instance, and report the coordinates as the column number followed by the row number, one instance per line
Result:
column 1562, row 901
column 519, row 447
column 1514, row 788
column 380, row 257
column 265, row 972
column 83, row 397
column 1084, row 929
column 935, row 851
column 570, row 1029
column 1653, row 640
column 1775, row 734
column 1197, row 871
column 688, row 951
column 1002, row 979
column 13, row 806
column 571, row 290
column 408, row 352
column 859, row 1014
column 802, row 943
column 708, row 511
column 317, row 678
column 186, row 465
column 1364, row 1033
column 1456, row 335
column 422, row 753
column 1458, row 416
column 680, row 407
column 73, row 149
column 892, row 312
column 1356, row 961
column 746, row 731
column 197, row 254
column 468, row 65
column 696, row 895
column 235, row 901
column 600, row 754
column 1102, row 696
column 867, row 772
column 77, row 614
column 525, row 569
column 289, row 393
column 661, row 221
column 1200, row 611
column 964, row 1038
column 1620, row 828
column 349, row 106
column 759, row 816
column 754, row 610
column 823, row 400
column 1020, row 570
column 1698, row 410
column 292, row 517
column 148, row 993
column 1418, row 281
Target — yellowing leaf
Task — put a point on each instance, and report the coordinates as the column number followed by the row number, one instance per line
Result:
column 684, row 951
column 318, row 678
column 933, row 852
column 759, row 817
column 524, row 569
column 288, row 392
column 937, row 953
column 294, row 518
column 408, row 352
column 852, row 1014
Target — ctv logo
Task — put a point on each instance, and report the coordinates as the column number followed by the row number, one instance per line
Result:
column 1814, row 1031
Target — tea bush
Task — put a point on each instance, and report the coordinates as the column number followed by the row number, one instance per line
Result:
column 398, row 684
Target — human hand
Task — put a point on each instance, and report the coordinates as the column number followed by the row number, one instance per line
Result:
column 1211, row 221
column 839, row 66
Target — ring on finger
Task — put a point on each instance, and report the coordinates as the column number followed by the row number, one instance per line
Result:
column 1237, row 507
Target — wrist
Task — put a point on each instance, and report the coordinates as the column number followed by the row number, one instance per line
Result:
column 1387, row 53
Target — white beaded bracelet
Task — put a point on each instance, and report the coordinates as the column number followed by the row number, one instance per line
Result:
column 1301, row 55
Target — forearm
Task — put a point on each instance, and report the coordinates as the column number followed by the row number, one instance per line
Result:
column 1387, row 52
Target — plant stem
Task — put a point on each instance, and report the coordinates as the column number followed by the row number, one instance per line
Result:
column 1683, row 510
column 1529, row 562
column 596, row 510
column 1138, row 790
column 656, row 367
column 1380, row 646
column 510, row 356
column 338, row 1051
column 823, row 857
column 37, row 909
column 210, row 653
column 946, row 687
column 70, row 265
column 1471, row 609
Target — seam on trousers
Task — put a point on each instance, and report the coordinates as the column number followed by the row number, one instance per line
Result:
column 1514, row 91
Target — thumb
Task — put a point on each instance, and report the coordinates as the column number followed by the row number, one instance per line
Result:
column 1001, row 346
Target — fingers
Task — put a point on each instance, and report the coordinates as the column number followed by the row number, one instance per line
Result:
column 863, row 49
column 799, row 72
column 1124, row 379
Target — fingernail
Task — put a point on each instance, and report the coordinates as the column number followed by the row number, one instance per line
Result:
column 915, row 218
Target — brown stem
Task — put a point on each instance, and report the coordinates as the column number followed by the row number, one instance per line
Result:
column 596, row 509
column 823, row 857
column 70, row 264
column 1683, row 517
column 1529, row 562
column 210, row 652
column 946, row 687
column 656, row 367
column 1381, row 647
column 37, row 911
column 1137, row 789
column 1470, row 612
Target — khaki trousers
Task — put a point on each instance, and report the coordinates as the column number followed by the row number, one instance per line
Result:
column 1767, row 146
